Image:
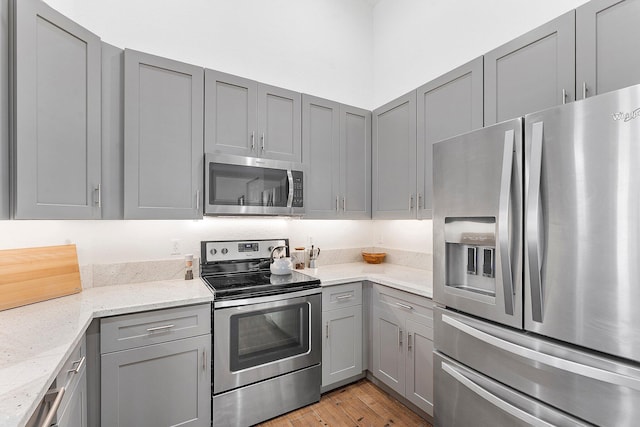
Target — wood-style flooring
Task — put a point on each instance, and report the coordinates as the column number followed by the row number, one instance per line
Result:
column 358, row 404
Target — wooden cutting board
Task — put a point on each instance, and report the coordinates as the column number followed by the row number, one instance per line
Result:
column 37, row 274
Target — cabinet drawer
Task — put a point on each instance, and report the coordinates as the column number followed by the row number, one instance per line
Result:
column 420, row 308
column 153, row 327
column 71, row 372
column 340, row 296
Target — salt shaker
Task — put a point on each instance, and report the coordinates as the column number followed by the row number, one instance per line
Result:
column 188, row 267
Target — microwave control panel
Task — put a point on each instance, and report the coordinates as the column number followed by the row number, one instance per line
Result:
column 298, row 189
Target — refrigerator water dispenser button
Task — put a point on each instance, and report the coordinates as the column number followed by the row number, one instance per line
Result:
column 487, row 264
column 471, row 261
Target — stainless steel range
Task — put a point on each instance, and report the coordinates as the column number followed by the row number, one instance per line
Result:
column 266, row 333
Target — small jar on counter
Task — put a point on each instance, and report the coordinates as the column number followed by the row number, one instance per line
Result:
column 297, row 258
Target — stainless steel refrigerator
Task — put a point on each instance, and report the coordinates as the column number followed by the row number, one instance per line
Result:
column 537, row 268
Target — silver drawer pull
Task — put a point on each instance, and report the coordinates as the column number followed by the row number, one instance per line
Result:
column 160, row 328
column 408, row 307
column 54, row 408
column 79, row 366
column 341, row 297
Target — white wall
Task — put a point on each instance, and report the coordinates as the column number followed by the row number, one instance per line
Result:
column 416, row 41
column 320, row 47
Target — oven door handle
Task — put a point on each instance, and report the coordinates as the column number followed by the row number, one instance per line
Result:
column 290, row 195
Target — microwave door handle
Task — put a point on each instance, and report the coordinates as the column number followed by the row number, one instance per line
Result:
column 290, row 196
column 535, row 222
column 503, row 221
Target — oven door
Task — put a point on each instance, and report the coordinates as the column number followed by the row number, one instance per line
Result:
column 255, row 342
column 252, row 186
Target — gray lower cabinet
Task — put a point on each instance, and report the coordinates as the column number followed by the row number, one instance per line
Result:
column 394, row 193
column 163, row 138
column 56, row 128
column 447, row 106
column 532, row 72
column 5, row 212
column 403, row 344
column 156, row 368
column 607, row 34
column 342, row 340
column 247, row 118
column 336, row 142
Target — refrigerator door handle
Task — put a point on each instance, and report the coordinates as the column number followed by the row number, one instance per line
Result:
column 503, row 221
column 493, row 399
column 546, row 359
column 534, row 222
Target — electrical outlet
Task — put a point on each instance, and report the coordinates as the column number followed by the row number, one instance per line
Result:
column 175, row 247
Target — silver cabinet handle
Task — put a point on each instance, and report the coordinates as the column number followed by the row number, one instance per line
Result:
column 584, row 90
column 399, row 337
column 98, row 191
column 253, row 140
column 262, row 142
column 160, row 328
column 79, row 366
column 503, row 221
column 564, row 96
column 342, row 297
column 327, row 330
column 406, row 306
column 409, row 345
column 204, row 360
column 337, row 203
column 410, row 201
column 533, row 226
column 493, row 399
column 419, row 200
column 197, row 200
column 546, row 359
column 54, row 408
column 344, row 204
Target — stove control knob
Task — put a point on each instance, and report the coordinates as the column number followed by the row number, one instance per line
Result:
column 225, row 251
column 213, row 251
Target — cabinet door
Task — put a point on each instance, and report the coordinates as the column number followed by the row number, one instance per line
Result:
column 230, row 108
column 355, row 162
column 75, row 413
column 394, row 159
column 321, row 148
column 57, row 115
column 532, row 72
column 163, row 122
column 419, row 388
column 447, row 106
column 388, row 353
column 279, row 123
column 4, row 110
column 166, row 384
column 342, row 344
column 607, row 34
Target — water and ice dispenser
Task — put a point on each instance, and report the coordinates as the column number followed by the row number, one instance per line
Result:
column 471, row 254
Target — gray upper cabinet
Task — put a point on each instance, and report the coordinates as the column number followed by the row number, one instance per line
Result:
column 230, row 114
column 336, row 141
column 321, row 147
column 355, row 162
column 532, row 72
column 163, row 137
column 607, row 34
column 394, row 159
column 447, row 106
column 112, row 132
column 279, row 123
column 56, row 134
column 247, row 118
column 4, row 110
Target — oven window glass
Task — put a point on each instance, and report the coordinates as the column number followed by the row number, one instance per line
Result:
column 265, row 336
column 247, row 186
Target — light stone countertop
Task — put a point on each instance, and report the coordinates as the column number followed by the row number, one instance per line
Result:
column 36, row 339
column 414, row 280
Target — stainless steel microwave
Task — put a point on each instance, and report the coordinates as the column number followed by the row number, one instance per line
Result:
column 237, row 185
